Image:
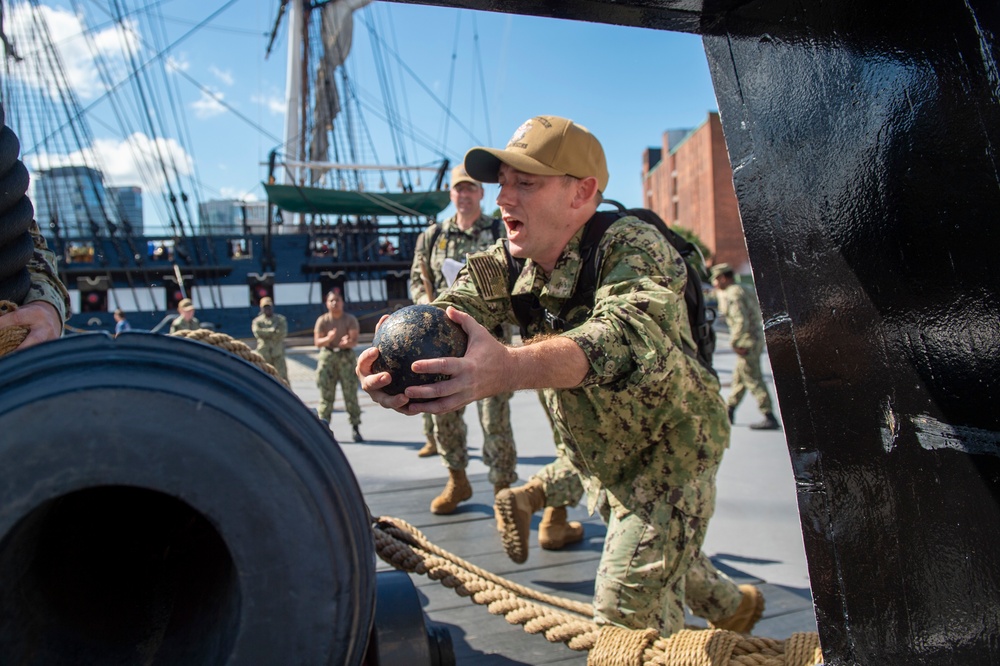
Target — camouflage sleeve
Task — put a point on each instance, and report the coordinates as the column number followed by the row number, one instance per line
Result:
column 281, row 327
column 418, row 294
column 738, row 317
column 45, row 283
column 639, row 323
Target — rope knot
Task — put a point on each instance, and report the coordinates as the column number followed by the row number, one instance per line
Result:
column 617, row 646
column 12, row 336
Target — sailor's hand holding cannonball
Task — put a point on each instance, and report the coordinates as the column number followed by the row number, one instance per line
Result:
column 425, row 359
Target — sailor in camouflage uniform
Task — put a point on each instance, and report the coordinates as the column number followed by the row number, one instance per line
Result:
column 270, row 330
column 746, row 335
column 46, row 306
column 641, row 421
column 336, row 334
column 185, row 319
column 468, row 231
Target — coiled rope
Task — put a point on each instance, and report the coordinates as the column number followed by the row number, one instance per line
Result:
column 233, row 346
column 12, row 336
column 564, row 621
column 560, row 620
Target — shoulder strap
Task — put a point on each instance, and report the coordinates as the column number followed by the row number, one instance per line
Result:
column 432, row 240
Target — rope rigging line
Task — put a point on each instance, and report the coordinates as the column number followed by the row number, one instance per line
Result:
column 451, row 78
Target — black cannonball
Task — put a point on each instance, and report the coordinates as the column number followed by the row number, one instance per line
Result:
column 413, row 333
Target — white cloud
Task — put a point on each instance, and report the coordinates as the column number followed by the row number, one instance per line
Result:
column 208, row 106
column 225, row 76
column 132, row 162
column 177, row 64
column 75, row 53
column 274, row 104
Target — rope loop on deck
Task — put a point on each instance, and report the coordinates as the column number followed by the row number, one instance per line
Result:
column 570, row 622
column 12, row 336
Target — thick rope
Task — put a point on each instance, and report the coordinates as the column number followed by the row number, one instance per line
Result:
column 407, row 549
column 12, row 336
column 233, row 346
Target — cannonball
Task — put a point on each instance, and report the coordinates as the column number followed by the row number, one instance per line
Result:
column 413, row 333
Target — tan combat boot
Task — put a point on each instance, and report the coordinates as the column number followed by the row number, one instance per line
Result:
column 429, row 450
column 747, row 613
column 514, row 508
column 555, row 531
column 497, row 487
column 457, row 490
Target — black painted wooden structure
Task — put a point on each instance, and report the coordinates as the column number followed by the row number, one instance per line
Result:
column 865, row 140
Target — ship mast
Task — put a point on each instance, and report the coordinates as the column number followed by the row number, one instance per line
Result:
column 295, row 135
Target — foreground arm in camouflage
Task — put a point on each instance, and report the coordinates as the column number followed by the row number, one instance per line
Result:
column 489, row 367
column 45, row 307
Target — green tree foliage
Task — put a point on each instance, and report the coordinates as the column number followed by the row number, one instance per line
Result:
column 692, row 237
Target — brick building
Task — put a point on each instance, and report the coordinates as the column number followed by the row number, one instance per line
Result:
column 688, row 181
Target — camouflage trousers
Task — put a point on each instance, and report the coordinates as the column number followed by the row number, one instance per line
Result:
column 499, row 454
column 638, row 582
column 649, row 570
column 337, row 367
column 748, row 377
column 275, row 355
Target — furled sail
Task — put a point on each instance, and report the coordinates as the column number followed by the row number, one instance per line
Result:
column 337, row 31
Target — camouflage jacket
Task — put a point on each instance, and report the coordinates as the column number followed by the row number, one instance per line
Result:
column 647, row 424
column 45, row 283
column 181, row 324
column 451, row 243
column 270, row 332
column 739, row 307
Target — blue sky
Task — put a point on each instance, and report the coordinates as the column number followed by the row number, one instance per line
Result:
column 627, row 85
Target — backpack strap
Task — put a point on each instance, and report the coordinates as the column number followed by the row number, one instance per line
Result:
column 527, row 308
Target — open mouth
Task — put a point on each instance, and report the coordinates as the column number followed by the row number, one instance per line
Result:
column 514, row 226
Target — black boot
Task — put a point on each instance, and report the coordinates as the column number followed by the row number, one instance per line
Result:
column 357, row 434
column 732, row 415
column 769, row 423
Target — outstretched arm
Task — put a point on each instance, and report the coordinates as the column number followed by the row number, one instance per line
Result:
column 487, row 368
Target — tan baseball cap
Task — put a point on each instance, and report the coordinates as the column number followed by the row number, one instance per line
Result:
column 544, row 146
column 185, row 304
column 460, row 175
column 267, row 300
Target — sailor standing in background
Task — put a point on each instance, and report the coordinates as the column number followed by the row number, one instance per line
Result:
column 336, row 334
column 440, row 245
column 185, row 319
column 746, row 335
column 270, row 330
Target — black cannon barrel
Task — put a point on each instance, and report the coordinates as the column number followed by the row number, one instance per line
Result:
column 164, row 502
column 16, row 215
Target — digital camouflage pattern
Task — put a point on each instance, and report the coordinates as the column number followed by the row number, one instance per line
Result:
column 270, row 333
column 709, row 593
column 45, row 283
column 647, row 428
column 450, row 432
column 658, row 406
column 746, row 331
column 336, row 366
column 499, row 452
column 451, row 243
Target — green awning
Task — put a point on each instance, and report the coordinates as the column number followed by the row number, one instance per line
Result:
column 337, row 202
